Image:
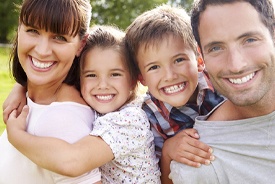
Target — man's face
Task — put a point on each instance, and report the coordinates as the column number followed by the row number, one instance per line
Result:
column 239, row 53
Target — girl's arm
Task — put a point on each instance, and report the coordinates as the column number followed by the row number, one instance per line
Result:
column 185, row 148
column 15, row 100
column 57, row 155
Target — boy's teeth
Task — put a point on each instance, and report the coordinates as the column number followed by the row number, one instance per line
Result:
column 104, row 97
column 174, row 89
column 42, row 65
column 243, row 79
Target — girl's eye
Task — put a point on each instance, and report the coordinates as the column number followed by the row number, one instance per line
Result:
column 61, row 38
column 90, row 75
column 153, row 67
column 116, row 74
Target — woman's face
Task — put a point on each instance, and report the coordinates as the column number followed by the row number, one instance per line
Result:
column 45, row 56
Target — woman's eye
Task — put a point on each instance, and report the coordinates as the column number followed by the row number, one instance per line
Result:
column 61, row 38
column 32, row 31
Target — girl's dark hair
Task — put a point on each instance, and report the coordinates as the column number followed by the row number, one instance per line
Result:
column 62, row 17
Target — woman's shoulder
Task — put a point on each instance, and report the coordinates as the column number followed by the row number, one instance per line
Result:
column 70, row 93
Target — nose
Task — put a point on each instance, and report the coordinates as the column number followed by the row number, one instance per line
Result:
column 170, row 73
column 103, row 83
column 43, row 47
column 236, row 60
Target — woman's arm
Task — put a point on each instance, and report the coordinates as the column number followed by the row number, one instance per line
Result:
column 15, row 100
column 57, row 155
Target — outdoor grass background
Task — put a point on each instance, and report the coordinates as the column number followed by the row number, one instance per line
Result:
column 6, row 81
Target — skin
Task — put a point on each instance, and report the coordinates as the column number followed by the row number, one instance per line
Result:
column 46, row 58
column 248, row 53
column 170, row 74
column 103, row 73
column 105, row 81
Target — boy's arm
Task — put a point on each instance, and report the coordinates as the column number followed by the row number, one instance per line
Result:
column 55, row 154
column 184, row 148
column 15, row 100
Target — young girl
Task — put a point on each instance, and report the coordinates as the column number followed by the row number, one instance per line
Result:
column 121, row 141
column 50, row 35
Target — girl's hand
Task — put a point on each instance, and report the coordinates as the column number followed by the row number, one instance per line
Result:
column 17, row 123
column 15, row 101
column 185, row 148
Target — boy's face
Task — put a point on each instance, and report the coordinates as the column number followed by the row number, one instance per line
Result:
column 170, row 70
column 239, row 53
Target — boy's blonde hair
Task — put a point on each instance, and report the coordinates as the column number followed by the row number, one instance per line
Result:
column 151, row 27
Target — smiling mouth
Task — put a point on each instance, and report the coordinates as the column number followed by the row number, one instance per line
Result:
column 174, row 88
column 243, row 79
column 42, row 65
column 104, row 97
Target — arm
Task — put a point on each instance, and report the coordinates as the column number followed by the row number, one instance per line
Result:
column 57, row 155
column 184, row 148
column 15, row 100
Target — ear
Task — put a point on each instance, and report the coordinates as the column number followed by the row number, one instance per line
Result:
column 200, row 61
column 82, row 45
column 201, row 64
column 141, row 80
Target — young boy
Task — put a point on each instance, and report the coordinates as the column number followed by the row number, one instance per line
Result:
column 161, row 44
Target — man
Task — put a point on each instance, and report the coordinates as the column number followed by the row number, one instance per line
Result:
column 236, row 38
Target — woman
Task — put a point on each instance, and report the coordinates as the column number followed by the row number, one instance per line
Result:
column 50, row 36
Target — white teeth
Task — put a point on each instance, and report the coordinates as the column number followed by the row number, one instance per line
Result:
column 243, row 79
column 105, row 97
column 42, row 65
column 174, row 89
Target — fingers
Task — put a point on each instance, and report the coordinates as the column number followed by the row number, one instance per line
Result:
column 191, row 132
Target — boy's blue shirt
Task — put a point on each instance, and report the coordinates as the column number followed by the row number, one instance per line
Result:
column 167, row 120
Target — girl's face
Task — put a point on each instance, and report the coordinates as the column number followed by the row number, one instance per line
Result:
column 45, row 56
column 105, row 81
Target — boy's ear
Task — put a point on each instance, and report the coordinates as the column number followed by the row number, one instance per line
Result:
column 201, row 64
column 141, row 80
column 82, row 45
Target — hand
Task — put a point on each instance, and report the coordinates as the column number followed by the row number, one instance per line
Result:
column 185, row 148
column 15, row 100
column 15, row 123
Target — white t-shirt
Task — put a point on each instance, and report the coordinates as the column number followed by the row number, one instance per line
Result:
column 69, row 121
column 127, row 132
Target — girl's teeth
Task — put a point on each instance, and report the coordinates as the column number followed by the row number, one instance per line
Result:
column 106, row 97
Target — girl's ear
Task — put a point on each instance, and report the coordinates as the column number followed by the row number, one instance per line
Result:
column 141, row 80
column 82, row 45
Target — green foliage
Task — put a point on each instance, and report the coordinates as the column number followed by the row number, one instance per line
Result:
column 8, row 19
column 6, row 82
column 120, row 12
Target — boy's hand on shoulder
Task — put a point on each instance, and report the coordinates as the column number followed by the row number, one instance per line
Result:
column 185, row 148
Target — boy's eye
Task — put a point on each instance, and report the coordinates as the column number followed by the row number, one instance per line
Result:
column 179, row 60
column 153, row 67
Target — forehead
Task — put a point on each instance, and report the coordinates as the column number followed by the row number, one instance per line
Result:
column 224, row 22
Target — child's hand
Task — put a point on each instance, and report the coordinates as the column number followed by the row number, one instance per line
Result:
column 15, row 100
column 185, row 148
column 15, row 123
